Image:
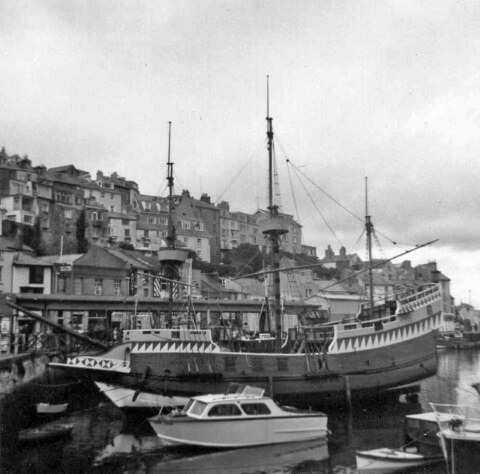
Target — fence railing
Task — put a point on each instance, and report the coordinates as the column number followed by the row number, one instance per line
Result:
column 18, row 343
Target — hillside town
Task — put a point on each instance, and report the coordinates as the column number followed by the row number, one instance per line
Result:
column 65, row 233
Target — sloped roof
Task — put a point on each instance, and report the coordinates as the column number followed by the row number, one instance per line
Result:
column 10, row 245
column 30, row 261
column 135, row 258
column 67, row 259
column 251, row 286
column 100, row 257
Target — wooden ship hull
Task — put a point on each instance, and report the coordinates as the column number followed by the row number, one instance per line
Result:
column 325, row 363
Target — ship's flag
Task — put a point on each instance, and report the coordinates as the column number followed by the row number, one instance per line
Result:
column 157, row 288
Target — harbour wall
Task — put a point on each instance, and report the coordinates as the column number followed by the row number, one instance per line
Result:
column 19, row 369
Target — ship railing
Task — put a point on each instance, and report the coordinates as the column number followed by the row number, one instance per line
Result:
column 418, row 300
column 458, row 418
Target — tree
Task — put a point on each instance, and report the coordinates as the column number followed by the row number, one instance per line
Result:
column 247, row 257
column 35, row 239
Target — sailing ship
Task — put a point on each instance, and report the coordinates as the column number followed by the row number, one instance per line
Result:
column 388, row 345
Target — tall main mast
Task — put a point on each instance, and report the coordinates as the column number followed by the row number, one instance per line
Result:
column 170, row 256
column 274, row 228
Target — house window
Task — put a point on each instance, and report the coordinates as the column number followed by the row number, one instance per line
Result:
column 98, row 287
column 185, row 225
column 77, row 286
column 111, row 196
column 116, row 287
column 1, row 271
column 127, row 232
column 28, row 219
column 199, row 242
column 2, row 255
column 145, row 233
column 36, row 275
column 94, row 216
column 78, row 200
column 151, row 220
column 112, row 208
column 124, row 221
column 68, row 213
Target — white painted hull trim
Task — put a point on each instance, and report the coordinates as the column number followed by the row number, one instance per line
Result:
column 386, row 460
column 127, row 398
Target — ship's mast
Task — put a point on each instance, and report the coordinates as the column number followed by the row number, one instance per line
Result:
column 170, row 256
column 171, row 237
column 273, row 229
column 369, row 232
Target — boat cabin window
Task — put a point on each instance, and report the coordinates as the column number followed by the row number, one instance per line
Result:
column 255, row 409
column 227, row 409
column 195, row 407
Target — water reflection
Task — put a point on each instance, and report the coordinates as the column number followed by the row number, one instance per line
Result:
column 103, row 440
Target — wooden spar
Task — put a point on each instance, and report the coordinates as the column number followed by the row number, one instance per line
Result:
column 380, row 263
column 284, row 269
column 82, row 337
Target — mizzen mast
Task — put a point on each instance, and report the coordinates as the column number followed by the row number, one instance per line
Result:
column 274, row 228
column 369, row 232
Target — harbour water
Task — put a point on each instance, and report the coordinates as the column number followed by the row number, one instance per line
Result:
column 104, row 440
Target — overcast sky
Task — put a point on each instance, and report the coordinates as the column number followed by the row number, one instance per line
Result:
column 388, row 90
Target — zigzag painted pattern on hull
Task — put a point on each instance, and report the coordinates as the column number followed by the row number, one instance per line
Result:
column 99, row 363
column 386, row 337
column 169, row 346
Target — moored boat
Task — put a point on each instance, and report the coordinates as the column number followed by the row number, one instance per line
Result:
column 44, row 433
column 389, row 344
column 421, row 448
column 459, row 433
column 241, row 417
column 385, row 460
column 51, row 409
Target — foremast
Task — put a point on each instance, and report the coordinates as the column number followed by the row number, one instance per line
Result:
column 170, row 256
column 273, row 229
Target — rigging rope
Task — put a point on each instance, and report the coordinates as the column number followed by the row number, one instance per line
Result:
column 255, row 153
column 319, row 211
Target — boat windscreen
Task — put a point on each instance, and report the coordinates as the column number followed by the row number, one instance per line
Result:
column 195, row 407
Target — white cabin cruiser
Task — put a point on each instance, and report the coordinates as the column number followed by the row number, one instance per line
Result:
column 241, row 417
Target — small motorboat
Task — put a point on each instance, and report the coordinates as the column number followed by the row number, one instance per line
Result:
column 46, row 432
column 51, row 409
column 385, row 460
column 241, row 417
column 421, row 448
column 459, row 434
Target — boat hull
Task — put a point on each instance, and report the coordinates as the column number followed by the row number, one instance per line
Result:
column 386, row 460
column 287, row 376
column 231, row 433
column 134, row 401
column 363, row 359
